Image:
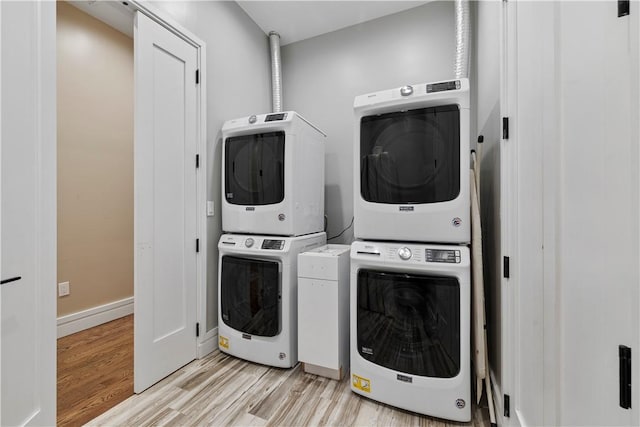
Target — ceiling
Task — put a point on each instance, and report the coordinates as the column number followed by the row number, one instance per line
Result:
column 113, row 13
column 300, row 20
column 293, row 20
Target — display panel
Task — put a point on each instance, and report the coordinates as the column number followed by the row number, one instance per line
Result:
column 250, row 295
column 409, row 323
column 254, row 169
column 411, row 157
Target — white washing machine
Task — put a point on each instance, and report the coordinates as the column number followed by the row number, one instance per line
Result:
column 411, row 164
column 410, row 326
column 272, row 175
column 258, row 296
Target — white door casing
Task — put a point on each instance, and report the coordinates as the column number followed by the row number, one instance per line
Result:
column 165, row 203
column 527, row 72
column 28, row 227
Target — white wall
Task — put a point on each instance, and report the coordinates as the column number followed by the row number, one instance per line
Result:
column 322, row 75
column 238, row 84
column 95, row 138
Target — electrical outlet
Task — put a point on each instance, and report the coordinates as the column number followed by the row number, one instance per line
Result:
column 63, row 289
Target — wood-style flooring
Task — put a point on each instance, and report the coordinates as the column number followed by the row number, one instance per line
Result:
column 222, row 390
column 95, row 371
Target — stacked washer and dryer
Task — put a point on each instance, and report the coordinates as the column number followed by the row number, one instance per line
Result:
column 410, row 266
column 272, row 209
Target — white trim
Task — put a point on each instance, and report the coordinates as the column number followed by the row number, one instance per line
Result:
column 85, row 319
column 47, row 256
column 208, row 343
column 201, row 201
column 508, row 200
column 165, row 20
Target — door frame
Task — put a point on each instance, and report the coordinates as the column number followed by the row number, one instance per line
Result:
column 540, row 220
column 44, row 119
column 207, row 341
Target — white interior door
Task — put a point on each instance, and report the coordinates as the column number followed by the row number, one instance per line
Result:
column 573, row 211
column 598, row 214
column 28, row 214
column 164, row 202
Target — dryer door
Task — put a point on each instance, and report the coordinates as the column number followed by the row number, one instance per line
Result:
column 409, row 323
column 254, row 169
column 250, row 295
column 411, row 156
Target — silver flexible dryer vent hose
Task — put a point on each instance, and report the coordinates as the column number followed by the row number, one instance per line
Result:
column 463, row 35
column 276, row 74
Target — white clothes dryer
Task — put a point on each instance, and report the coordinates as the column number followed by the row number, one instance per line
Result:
column 258, row 296
column 272, row 175
column 410, row 326
column 411, row 164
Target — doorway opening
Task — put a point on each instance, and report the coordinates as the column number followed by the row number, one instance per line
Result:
column 152, row 225
column 95, row 106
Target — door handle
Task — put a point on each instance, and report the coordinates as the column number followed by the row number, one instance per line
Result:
column 12, row 279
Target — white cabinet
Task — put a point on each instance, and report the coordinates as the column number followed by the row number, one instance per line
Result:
column 323, row 310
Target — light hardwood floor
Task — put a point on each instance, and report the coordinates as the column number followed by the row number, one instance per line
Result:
column 223, row 390
column 95, row 371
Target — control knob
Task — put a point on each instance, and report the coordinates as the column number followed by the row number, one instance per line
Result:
column 406, row 90
column 249, row 242
column 404, row 253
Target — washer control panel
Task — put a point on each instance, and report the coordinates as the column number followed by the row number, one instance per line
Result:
column 404, row 253
column 449, row 256
column 411, row 253
column 254, row 243
column 276, row 245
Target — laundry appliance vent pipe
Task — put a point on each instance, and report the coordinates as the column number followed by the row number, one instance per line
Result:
column 463, row 38
column 276, row 73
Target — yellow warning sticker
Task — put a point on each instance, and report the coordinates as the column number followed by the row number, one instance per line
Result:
column 360, row 383
column 224, row 342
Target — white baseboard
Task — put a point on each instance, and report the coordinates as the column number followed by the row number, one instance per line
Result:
column 208, row 344
column 497, row 399
column 76, row 322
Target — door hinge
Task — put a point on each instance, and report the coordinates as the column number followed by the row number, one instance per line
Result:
column 197, row 245
column 624, row 356
column 623, row 8
column 505, row 128
column 197, row 76
column 507, row 409
column 505, row 267
column 197, row 161
column 198, row 329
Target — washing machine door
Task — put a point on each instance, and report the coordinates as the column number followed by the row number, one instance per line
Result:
column 409, row 323
column 250, row 295
column 254, row 169
column 411, row 157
